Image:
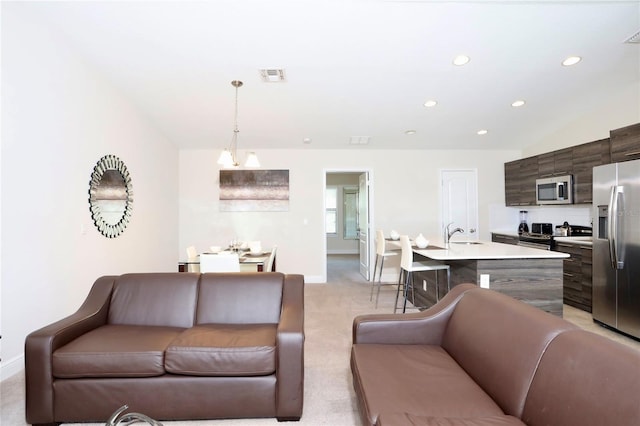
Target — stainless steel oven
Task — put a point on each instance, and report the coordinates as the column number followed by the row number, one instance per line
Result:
column 541, row 237
column 538, row 245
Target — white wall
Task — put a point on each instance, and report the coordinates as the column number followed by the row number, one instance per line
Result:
column 621, row 109
column 405, row 198
column 58, row 118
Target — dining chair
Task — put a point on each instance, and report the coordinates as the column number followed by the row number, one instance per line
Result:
column 221, row 262
column 381, row 254
column 408, row 266
column 271, row 260
column 192, row 255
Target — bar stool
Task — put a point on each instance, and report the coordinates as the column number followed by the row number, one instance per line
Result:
column 408, row 266
column 381, row 254
column 192, row 257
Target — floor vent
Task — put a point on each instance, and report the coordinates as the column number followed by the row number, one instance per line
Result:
column 272, row 75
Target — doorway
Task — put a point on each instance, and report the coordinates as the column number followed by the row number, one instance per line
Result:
column 347, row 196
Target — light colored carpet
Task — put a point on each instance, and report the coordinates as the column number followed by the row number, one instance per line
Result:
column 328, row 392
column 329, row 311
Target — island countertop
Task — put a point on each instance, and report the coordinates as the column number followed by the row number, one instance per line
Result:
column 477, row 250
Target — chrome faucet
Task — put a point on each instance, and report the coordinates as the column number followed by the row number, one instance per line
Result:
column 448, row 233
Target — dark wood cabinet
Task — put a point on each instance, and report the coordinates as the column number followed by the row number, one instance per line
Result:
column 577, row 275
column 546, row 165
column 625, row 143
column 528, row 176
column 512, row 183
column 555, row 163
column 504, row 238
column 520, row 182
column 563, row 162
column 585, row 158
column 520, row 175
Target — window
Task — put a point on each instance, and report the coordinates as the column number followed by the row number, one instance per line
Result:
column 350, row 197
column 331, row 212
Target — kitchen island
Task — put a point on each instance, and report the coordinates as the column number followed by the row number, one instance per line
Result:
column 531, row 275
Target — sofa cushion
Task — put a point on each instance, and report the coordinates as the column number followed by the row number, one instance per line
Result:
column 585, row 379
column 499, row 341
column 239, row 298
column 115, row 351
column 419, row 379
column 224, row 350
column 157, row 299
column 408, row 419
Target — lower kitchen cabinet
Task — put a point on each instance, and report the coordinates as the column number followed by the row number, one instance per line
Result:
column 577, row 275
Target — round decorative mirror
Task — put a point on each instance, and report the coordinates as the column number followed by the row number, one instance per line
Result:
column 110, row 196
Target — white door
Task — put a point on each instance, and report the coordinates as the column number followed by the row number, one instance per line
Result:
column 363, row 224
column 460, row 201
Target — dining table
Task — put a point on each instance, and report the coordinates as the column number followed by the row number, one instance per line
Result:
column 249, row 262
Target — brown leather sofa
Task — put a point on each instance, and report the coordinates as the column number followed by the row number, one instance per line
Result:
column 482, row 358
column 173, row 346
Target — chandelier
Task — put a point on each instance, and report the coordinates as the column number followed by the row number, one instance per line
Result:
column 229, row 157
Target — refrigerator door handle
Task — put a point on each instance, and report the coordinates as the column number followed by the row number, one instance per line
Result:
column 616, row 192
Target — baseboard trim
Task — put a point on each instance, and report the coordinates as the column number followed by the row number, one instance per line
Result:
column 11, row 367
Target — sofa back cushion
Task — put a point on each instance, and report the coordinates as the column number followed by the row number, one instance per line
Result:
column 585, row 379
column 240, row 298
column 158, row 299
column 498, row 341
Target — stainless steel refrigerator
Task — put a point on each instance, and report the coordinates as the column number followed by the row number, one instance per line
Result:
column 616, row 246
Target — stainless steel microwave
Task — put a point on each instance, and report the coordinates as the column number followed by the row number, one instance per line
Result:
column 555, row 190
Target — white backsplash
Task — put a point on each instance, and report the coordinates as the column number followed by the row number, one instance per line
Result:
column 508, row 218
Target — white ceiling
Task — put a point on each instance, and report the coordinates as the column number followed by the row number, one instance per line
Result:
column 355, row 67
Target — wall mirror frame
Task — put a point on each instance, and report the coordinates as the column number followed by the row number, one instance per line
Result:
column 110, row 196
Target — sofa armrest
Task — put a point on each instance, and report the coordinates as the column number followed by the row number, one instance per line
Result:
column 290, row 347
column 420, row 328
column 40, row 345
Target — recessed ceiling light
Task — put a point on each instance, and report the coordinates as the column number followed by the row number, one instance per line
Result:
column 306, row 140
column 410, row 132
column 571, row 60
column 461, row 60
column 430, row 103
column 482, row 132
column 518, row 103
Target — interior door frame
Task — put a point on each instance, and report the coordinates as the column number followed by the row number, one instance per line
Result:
column 369, row 173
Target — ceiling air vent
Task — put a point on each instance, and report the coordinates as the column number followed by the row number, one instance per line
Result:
column 634, row 38
column 359, row 140
column 272, row 75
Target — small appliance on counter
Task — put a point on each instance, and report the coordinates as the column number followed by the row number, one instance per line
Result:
column 523, row 227
column 566, row 230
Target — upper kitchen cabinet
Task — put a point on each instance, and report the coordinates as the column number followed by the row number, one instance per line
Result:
column 585, row 158
column 625, row 143
column 520, row 182
column 520, row 175
column 556, row 163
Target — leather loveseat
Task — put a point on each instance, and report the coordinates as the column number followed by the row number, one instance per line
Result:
column 481, row 358
column 173, row 346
